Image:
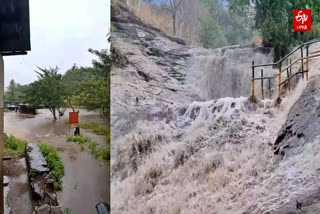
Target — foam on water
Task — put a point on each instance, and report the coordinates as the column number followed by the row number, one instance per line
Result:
column 215, row 157
column 226, row 72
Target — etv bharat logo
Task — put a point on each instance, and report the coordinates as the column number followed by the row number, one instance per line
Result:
column 301, row 20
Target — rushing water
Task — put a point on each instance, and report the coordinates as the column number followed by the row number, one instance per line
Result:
column 214, row 156
column 230, row 66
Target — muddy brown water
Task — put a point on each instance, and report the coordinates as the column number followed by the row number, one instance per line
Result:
column 86, row 180
column 18, row 188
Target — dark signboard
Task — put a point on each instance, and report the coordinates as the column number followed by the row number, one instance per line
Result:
column 14, row 27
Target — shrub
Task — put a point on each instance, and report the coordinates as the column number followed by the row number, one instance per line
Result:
column 78, row 139
column 97, row 129
column 105, row 154
column 14, row 146
column 54, row 162
column 93, row 147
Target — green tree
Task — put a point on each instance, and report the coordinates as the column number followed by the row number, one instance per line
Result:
column 94, row 93
column 102, row 66
column 48, row 90
column 220, row 28
column 72, row 80
column 89, row 87
column 10, row 95
column 273, row 18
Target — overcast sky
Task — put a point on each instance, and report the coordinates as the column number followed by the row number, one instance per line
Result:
column 62, row 31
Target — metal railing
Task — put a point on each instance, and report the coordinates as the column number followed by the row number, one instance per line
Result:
column 288, row 69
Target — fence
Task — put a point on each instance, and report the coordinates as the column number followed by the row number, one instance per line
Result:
column 287, row 69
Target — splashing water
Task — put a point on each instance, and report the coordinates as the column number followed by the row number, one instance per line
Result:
column 232, row 67
column 215, row 157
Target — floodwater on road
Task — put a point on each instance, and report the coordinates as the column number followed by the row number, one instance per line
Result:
column 18, row 188
column 86, row 180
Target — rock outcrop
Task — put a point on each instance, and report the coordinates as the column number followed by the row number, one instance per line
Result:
column 303, row 122
column 147, row 74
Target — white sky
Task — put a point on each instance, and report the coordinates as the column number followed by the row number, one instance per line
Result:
column 62, row 31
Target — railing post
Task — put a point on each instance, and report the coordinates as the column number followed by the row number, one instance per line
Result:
column 269, row 80
column 279, row 86
column 262, row 84
column 307, row 62
column 290, row 66
column 302, row 62
column 253, row 92
column 288, row 76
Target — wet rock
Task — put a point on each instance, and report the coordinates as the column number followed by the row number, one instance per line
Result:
column 195, row 112
column 37, row 192
column 303, row 124
column 259, row 127
column 44, row 209
column 36, row 162
column 298, row 205
column 56, row 210
column 5, row 180
column 244, row 121
column 49, row 179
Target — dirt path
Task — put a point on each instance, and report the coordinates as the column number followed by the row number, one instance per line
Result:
column 86, row 181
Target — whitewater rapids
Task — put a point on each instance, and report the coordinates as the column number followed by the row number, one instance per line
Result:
column 175, row 153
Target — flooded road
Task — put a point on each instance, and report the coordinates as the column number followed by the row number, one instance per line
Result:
column 18, row 188
column 86, row 180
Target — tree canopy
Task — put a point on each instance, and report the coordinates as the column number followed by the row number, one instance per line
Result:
column 274, row 20
column 48, row 90
column 82, row 87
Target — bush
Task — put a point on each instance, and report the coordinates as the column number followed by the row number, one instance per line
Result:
column 100, row 130
column 105, row 154
column 54, row 162
column 96, row 128
column 78, row 139
column 93, row 147
column 14, row 146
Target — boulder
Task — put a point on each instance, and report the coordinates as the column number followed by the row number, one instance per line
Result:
column 302, row 125
column 56, row 210
column 44, row 209
column 36, row 162
column 37, row 192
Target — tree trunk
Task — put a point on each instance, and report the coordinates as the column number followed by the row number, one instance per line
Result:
column 69, row 101
column 53, row 111
column 174, row 23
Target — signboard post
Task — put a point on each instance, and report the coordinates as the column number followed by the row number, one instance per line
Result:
column 14, row 40
column 73, row 118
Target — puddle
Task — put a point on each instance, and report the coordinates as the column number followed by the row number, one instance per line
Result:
column 17, row 193
column 7, row 209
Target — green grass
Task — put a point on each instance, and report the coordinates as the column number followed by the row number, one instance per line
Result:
column 105, row 154
column 14, row 146
column 92, row 146
column 54, row 162
column 7, row 110
column 95, row 127
column 67, row 211
column 78, row 139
